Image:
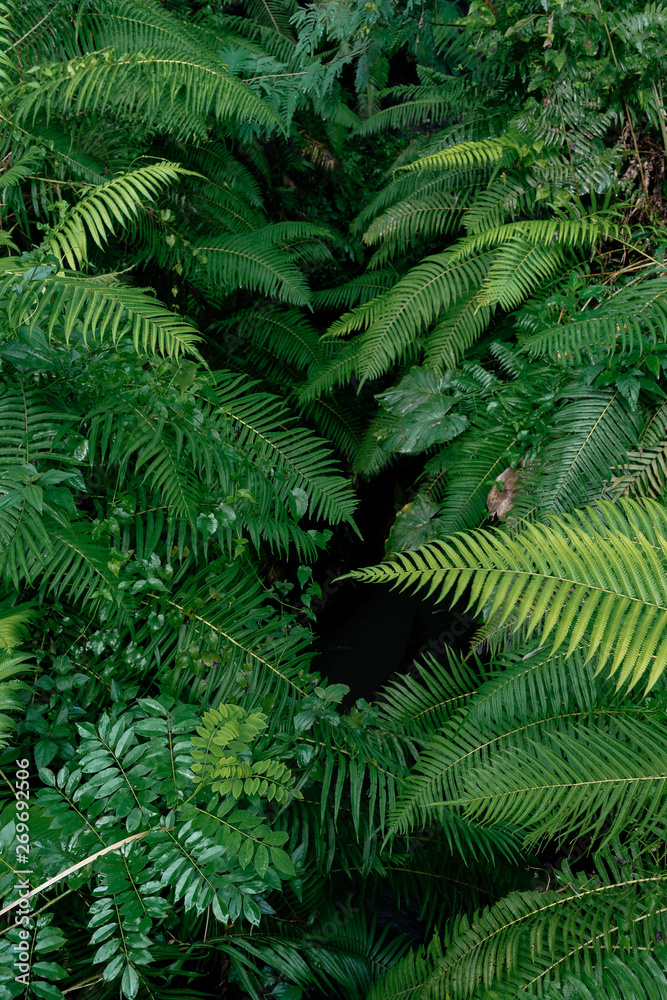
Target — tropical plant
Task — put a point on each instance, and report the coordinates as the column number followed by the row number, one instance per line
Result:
column 254, row 256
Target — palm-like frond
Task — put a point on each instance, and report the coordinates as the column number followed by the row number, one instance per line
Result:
column 102, row 308
column 593, row 433
column 635, row 978
column 177, row 91
column 114, row 202
column 594, row 576
column 530, row 939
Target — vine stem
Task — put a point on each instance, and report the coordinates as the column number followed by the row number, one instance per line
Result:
column 74, row 868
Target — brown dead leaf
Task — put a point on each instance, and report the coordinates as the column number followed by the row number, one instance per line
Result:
column 501, row 498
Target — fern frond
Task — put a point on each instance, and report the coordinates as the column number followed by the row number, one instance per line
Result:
column 358, row 291
column 421, row 103
column 467, row 155
column 464, row 322
column 230, row 262
column 634, row 978
column 417, row 187
column 618, row 323
column 424, row 218
column 101, row 308
column 407, row 977
column 569, row 582
column 472, row 463
column 644, row 471
column 530, row 939
column 14, row 623
column 116, row 201
column 413, row 303
column 593, row 433
column 130, row 27
column 567, row 780
column 175, row 91
column 518, row 268
column 493, row 204
column 418, row 706
column 22, row 167
column 283, row 333
column 301, row 460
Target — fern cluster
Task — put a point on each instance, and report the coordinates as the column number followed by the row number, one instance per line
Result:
column 251, row 258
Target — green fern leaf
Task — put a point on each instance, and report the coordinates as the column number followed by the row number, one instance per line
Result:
column 114, row 202
column 568, row 581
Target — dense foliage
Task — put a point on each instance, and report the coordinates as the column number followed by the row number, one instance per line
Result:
column 254, row 255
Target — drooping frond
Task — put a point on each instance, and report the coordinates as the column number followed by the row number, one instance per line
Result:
column 530, row 939
column 569, row 778
column 296, row 456
column 176, row 91
column 420, row 103
column 463, row 323
column 110, row 204
column 466, row 155
column 355, row 292
column 413, row 303
column 101, row 308
column 636, row 978
column 419, row 705
column 593, row 576
column 252, row 261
